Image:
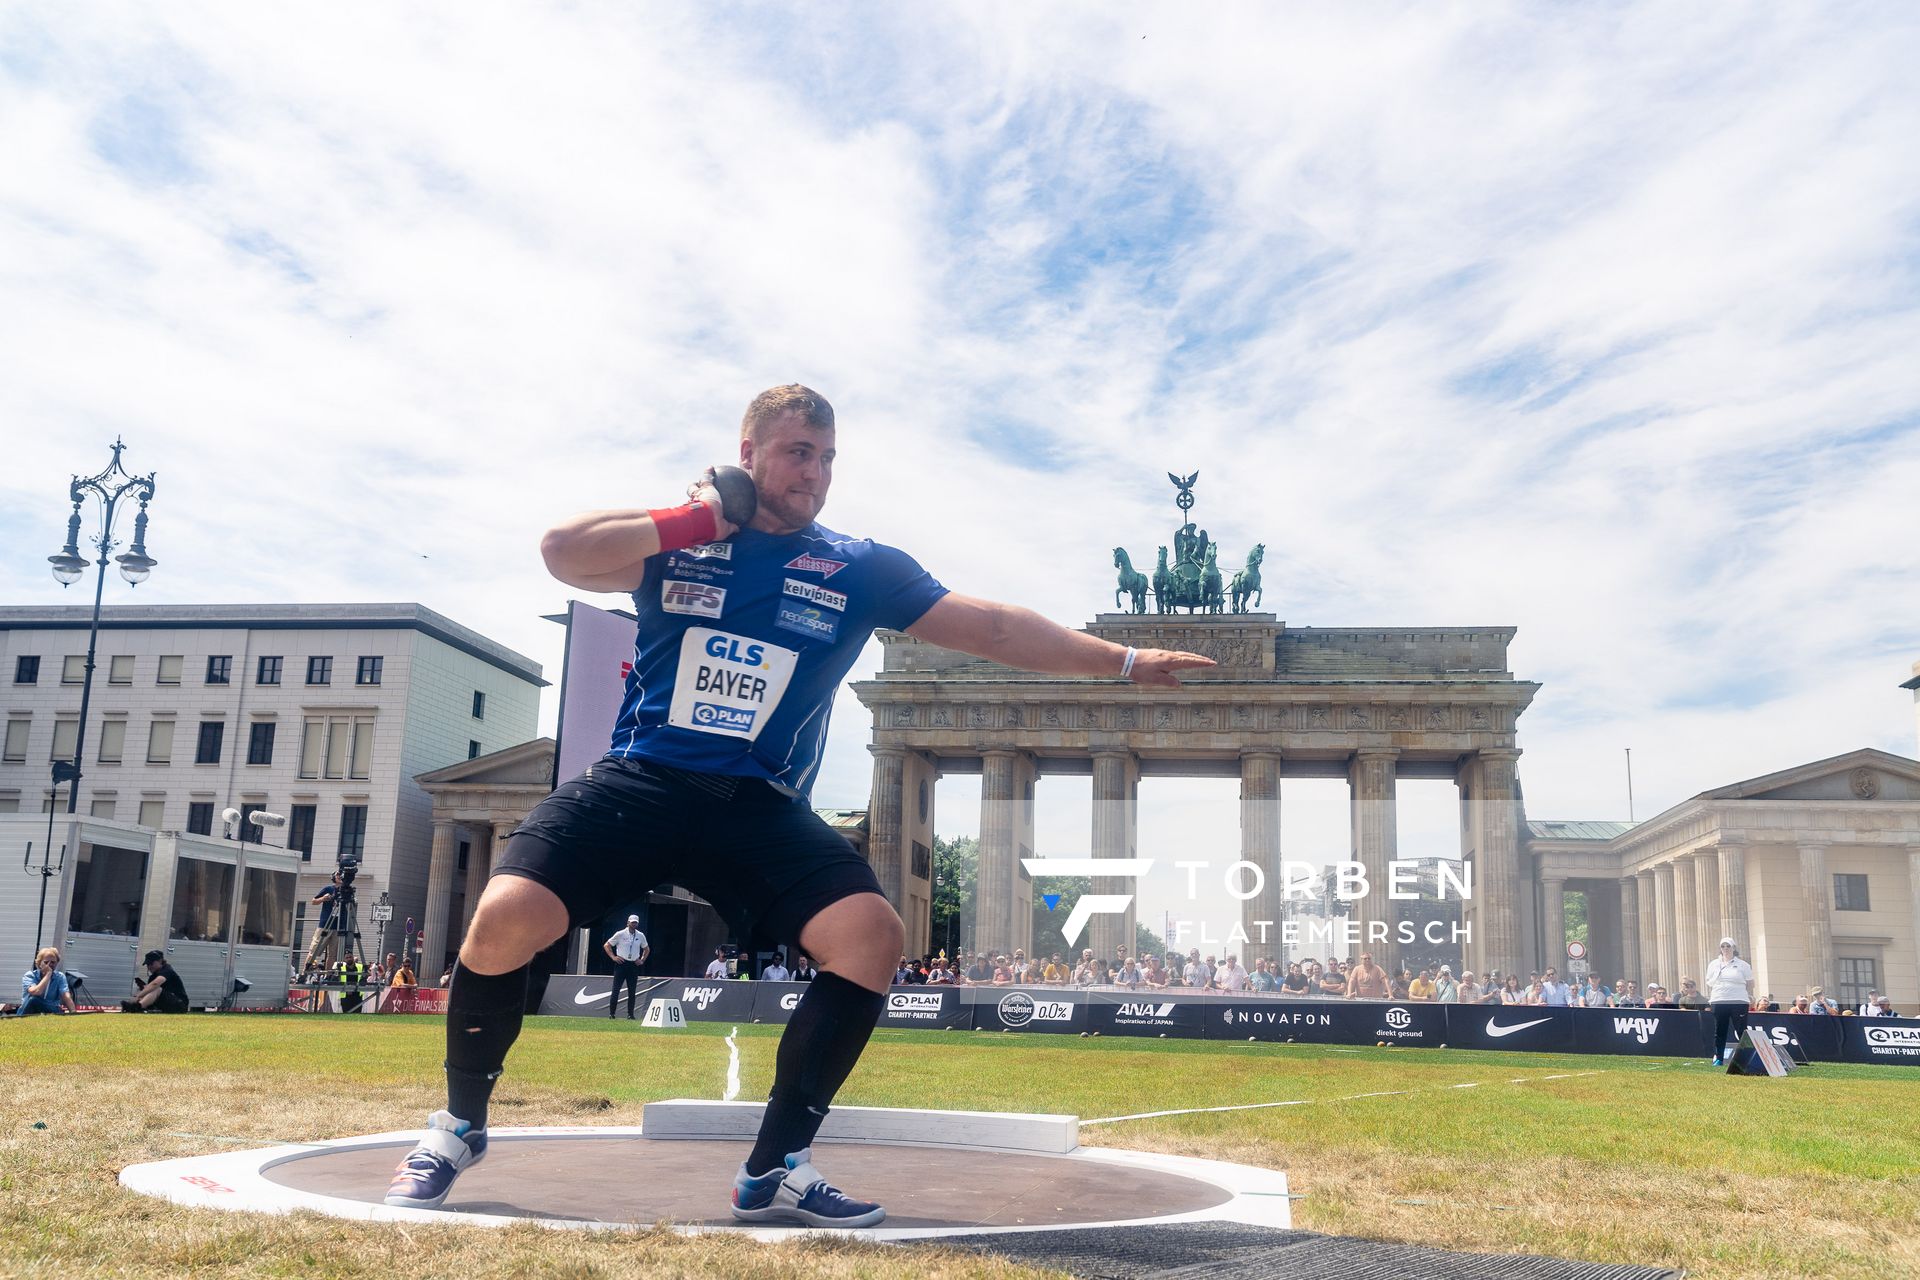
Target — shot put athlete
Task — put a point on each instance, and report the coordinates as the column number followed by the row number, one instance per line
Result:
column 751, row 614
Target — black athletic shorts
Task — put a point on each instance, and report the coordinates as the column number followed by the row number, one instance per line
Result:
column 765, row 860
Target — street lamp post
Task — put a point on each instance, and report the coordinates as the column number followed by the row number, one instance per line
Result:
column 109, row 486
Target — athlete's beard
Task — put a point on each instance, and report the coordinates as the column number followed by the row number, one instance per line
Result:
column 789, row 515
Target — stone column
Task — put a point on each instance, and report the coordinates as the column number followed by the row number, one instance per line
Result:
column 993, row 892
column 886, row 810
column 497, row 847
column 1553, row 923
column 1913, row 889
column 1732, row 857
column 446, row 856
column 1667, row 954
column 1706, row 894
column 479, row 859
column 1816, row 887
column 1375, row 838
column 1116, row 783
column 1026, row 774
column 1686, row 924
column 1497, row 879
column 1260, row 845
column 1629, row 891
column 1649, row 951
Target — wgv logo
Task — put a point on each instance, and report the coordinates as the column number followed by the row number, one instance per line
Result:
column 1090, row 904
column 1641, row 1029
column 701, row 997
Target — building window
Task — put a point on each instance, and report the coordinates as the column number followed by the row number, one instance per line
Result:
column 9, row 803
column 16, row 746
column 260, row 742
column 473, row 748
column 212, row 734
column 220, row 669
column 202, row 900
column 200, row 818
column 1850, row 893
column 922, row 861
column 368, row 672
column 113, row 741
column 466, row 851
column 108, row 887
column 251, row 833
column 300, row 830
column 101, row 808
column 120, row 669
column 319, row 670
column 269, row 671
column 353, row 829
column 26, row 669
column 66, row 736
column 169, row 670
column 73, row 669
column 1858, row 976
column 479, row 705
column 336, row 747
column 160, row 742
column 153, row 813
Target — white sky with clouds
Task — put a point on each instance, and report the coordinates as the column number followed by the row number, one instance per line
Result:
column 1597, row 321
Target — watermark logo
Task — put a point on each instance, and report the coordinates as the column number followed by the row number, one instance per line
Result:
column 1090, row 904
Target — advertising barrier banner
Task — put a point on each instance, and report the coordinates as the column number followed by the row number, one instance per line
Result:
column 1513, row 1028
column 414, row 1000
column 1892, row 1041
column 1682, row 1033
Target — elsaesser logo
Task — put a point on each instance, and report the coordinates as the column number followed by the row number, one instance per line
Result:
column 835, row 600
column 816, row 564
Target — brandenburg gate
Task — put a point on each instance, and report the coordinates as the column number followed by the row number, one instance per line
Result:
column 1368, row 704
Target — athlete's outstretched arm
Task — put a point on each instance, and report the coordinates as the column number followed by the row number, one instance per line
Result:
column 1022, row 638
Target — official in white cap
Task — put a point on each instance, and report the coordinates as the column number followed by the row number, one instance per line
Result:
column 1730, row 995
column 628, row 950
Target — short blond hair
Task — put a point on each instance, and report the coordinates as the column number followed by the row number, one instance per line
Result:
column 792, row 398
column 41, row 956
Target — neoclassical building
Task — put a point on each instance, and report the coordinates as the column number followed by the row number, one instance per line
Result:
column 1814, row 871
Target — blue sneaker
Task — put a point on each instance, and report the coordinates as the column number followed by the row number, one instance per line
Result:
column 426, row 1176
column 799, row 1194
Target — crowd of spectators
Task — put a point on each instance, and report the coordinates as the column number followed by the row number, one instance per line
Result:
column 1333, row 979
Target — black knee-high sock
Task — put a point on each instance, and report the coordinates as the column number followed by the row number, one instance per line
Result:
column 483, row 1020
column 829, row 1029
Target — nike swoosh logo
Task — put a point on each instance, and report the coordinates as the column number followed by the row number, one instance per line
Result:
column 1497, row 1031
column 584, row 997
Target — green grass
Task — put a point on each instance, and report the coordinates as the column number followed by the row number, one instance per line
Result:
column 1611, row 1159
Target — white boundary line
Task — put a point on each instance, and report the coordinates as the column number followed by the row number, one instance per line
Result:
column 236, row 1180
column 1306, row 1102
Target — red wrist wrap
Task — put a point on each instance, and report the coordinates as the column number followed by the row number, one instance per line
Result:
column 687, row 526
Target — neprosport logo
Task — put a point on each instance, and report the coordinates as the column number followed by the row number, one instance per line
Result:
column 1893, row 1037
column 816, row 564
column 701, row 997
column 696, row 598
column 1641, row 1029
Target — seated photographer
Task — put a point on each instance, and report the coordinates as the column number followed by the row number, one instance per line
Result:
column 162, row 991
column 44, row 989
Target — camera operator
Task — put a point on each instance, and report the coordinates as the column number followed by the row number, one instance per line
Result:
column 44, row 989
column 161, row 992
column 328, row 901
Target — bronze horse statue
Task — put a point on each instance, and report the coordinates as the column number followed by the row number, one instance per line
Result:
column 1246, row 583
column 1132, row 581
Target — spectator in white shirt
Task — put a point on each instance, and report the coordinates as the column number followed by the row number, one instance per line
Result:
column 1230, row 976
column 775, row 972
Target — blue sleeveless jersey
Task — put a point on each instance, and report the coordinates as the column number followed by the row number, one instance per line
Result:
column 742, row 645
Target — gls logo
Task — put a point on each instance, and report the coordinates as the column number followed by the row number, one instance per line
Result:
column 701, row 997
column 1641, row 1029
column 696, row 598
column 1090, row 905
column 729, row 649
column 790, row 1001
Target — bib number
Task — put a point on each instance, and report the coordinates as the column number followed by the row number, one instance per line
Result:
column 728, row 685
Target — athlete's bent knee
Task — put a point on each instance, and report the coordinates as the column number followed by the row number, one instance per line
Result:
column 516, row 919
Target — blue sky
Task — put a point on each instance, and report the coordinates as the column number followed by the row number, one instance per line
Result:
column 1595, row 321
